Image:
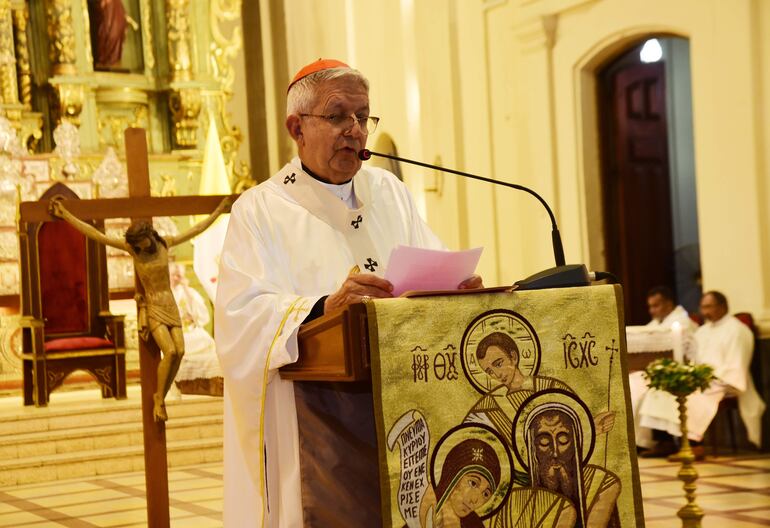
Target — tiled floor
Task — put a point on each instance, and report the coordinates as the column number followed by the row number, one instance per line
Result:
column 195, row 496
column 733, row 491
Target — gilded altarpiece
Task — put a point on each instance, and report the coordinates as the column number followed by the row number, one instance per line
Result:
column 74, row 74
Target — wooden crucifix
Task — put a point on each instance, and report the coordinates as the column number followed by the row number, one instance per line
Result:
column 141, row 207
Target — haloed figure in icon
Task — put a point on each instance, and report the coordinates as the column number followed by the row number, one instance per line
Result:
column 469, row 477
column 556, row 466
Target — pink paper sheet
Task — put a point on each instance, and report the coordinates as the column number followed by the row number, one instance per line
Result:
column 412, row 268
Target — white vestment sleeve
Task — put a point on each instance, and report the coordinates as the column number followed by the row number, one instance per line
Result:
column 256, row 321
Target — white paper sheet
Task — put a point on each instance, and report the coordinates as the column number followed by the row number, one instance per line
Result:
column 412, row 268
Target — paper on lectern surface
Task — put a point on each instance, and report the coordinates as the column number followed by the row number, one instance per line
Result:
column 411, row 268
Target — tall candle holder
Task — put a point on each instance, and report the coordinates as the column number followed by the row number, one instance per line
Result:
column 681, row 380
column 691, row 514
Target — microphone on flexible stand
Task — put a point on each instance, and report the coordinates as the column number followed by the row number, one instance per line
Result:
column 560, row 276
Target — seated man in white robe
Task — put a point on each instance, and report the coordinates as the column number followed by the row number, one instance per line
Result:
column 665, row 316
column 199, row 365
column 726, row 344
column 310, row 240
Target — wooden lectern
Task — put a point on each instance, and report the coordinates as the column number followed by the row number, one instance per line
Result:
column 339, row 462
column 335, row 417
column 334, row 347
column 408, row 384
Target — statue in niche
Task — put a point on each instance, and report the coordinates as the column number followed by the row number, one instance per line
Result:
column 108, row 31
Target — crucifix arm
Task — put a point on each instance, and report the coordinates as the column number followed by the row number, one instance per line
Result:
column 200, row 227
column 57, row 209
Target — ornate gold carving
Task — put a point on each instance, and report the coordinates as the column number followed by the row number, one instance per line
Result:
column 105, row 375
column 178, row 39
column 224, row 49
column 31, row 130
column 54, row 379
column 111, row 126
column 62, row 37
column 70, row 102
column 147, row 47
column 10, row 334
column 244, row 180
column 87, row 30
column 184, row 102
column 185, row 107
column 13, row 114
column 23, row 69
column 7, row 58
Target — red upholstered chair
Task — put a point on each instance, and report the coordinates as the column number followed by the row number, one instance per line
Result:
column 66, row 323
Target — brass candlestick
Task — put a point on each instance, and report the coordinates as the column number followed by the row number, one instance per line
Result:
column 691, row 513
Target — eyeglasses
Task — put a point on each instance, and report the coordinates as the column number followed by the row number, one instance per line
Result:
column 343, row 122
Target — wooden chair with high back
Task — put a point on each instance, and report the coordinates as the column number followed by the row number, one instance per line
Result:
column 66, row 323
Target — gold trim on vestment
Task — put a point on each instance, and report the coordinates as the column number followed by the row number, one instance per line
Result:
column 262, row 475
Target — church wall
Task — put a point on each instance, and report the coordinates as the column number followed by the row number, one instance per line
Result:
column 761, row 29
column 724, row 48
column 505, row 88
column 404, row 56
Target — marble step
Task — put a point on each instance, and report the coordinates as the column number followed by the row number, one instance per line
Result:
column 96, row 462
column 72, row 415
column 71, row 440
column 80, row 434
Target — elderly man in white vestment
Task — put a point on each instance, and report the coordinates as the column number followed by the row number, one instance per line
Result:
column 293, row 249
column 665, row 314
column 726, row 344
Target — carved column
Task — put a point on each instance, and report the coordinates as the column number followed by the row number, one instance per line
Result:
column 8, row 90
column 185, row 105
column 62, row 37
column 23, row 69
column 179, row 39
column 62, row 52
column 184, row 102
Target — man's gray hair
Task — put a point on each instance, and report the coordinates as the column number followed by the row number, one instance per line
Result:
column 302, row 94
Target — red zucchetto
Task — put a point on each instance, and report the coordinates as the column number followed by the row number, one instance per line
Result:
column 320, row 64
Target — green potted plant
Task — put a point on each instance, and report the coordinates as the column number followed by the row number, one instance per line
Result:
column 679, row 379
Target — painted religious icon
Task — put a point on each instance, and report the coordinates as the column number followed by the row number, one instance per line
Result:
column 554, row 440
column 469, row 479
column 500, row 354
column 537, row 385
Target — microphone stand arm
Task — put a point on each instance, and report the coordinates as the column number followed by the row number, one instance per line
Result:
column 558, row 248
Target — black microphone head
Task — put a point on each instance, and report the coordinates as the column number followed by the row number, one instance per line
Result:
column 364, row 154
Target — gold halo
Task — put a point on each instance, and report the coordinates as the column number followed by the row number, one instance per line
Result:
column 478, row 432
column 508, row 322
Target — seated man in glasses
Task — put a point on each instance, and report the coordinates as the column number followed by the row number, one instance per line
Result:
column 312, row 239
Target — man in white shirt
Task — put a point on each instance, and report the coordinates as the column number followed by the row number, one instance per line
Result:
column 665, row 314
column 726, row 344
column 312, row 239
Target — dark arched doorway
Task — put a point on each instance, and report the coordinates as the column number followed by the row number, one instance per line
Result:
column 648, row 173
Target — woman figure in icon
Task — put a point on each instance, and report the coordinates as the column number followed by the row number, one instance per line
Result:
column 470, row 476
